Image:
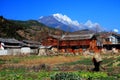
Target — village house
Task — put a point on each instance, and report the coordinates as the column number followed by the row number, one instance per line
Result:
column 9, row 46
column 10, row 43
column 12, row 46
column 110, row 40
column 31, row 44
column 72, row 42
column 110, row 37
column 83, row 40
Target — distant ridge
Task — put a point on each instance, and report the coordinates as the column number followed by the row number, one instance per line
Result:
column 29, row 30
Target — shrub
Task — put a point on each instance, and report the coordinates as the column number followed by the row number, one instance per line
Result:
column 65, row 76
column 92, row 75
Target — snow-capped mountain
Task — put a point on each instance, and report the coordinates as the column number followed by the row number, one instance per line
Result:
column 67, row 24
column 52, row 22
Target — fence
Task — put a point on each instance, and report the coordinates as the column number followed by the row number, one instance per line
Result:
column 18, row 51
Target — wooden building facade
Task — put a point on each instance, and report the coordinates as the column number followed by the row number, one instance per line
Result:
column 72, row 41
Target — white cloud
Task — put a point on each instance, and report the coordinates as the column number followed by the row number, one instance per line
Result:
column 65, row 19
column 116, row 30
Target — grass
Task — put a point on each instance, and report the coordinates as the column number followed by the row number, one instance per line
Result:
column 36, row 62
column 84, row 61
column 33, row 68
column 23, row 74
column 33, row 60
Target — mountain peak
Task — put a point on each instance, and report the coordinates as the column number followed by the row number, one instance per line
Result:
column 67, row 24
column 65, row 19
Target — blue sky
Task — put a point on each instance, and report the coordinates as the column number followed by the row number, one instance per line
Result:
column 104, row 12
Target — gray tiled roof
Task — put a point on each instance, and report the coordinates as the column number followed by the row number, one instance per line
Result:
column 55, row 36
column 5, row 40
column 74, row 36
column 31, row 42
column 77, row 37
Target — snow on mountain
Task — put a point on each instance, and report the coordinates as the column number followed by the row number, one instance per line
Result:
column 65, row 19
column 54, row 23
column 94, row 26
column 64, row 22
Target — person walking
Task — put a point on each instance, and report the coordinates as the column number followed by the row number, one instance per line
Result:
column 97, row 60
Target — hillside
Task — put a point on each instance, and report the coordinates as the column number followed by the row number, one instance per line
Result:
column 30, row 30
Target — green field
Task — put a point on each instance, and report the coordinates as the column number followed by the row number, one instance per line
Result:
column 58, row 68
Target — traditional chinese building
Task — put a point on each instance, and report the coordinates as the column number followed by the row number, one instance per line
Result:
column 10, row 43
column 31, row 44
column 110, row 40
column 72, row 41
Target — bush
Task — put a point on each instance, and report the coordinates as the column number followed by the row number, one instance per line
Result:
column 80, row 76
column 92, row 75
column 65, row 76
